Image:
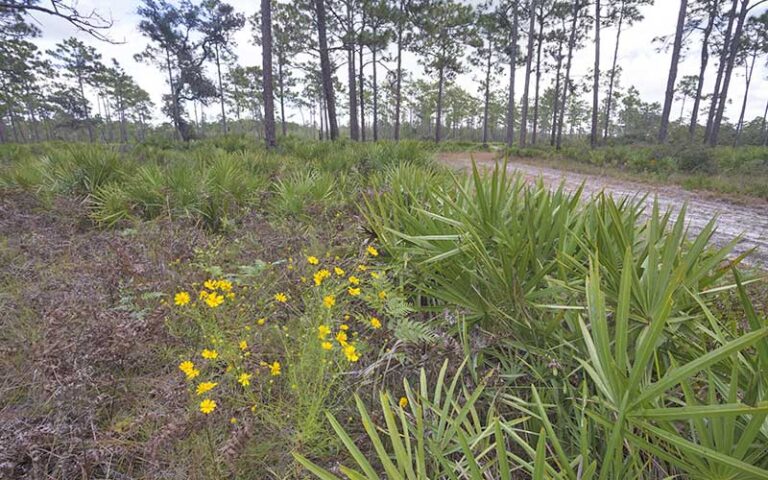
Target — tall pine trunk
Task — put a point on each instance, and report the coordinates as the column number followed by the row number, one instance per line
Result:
column 439, row 112
column 567, row 82
column 672, row 77
column 361, row 81
column 375, row 91
column 266, row 62
column 734, row 51
column 593, row 139
column 556, row 98
column 487, row 95
column 720, row 71
column 763, row 129
column 325, row 67
column 702, row 70
column 354, row 127
column 538, row 76
column 85, row 109
column 281, row 86
column 174, row 98
column 526, row 88
column 612, row 79
column 399, row 71
column 221, row 88
column 512, row 69
column 748, row 76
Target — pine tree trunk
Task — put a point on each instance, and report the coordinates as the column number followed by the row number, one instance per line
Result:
column 174, row 97
column 740, row 125
column 556, row 98
column 512, row 69
column 325, row 67
column 221, row 89
column 85, row 109
column 399, row 73
column 715, row 133
column 439, row 112
column 354, row 127
column 612, row 79
column 281, row 86
column 526, row 88
column 672, row 78
column 361, row 81
column 702, row 71
column 764, row 130
column 720, row 72
column 487, row 95
column 538, row 76
column 593, row 139
column 375, row 94
column 266, row 58
column 567, row 82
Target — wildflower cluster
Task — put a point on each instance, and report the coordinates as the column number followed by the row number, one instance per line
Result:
column 281, row 342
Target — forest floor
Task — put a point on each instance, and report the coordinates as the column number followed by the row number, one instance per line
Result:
column 748, row 218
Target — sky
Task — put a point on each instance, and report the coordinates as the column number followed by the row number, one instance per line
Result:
column 643, row 66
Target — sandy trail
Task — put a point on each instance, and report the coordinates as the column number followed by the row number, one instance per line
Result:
column 749, row 220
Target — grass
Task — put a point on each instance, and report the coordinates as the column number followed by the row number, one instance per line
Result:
column 434, row 324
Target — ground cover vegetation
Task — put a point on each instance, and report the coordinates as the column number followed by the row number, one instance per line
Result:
column 219, row 310
column 181, row 305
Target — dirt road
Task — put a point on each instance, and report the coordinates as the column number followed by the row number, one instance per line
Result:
column 750, row 220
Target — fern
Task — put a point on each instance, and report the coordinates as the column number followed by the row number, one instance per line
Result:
column 410, row 331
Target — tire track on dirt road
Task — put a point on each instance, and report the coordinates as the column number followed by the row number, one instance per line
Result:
column 748, row 220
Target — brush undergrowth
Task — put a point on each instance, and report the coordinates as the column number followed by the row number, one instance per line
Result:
column 496, row 330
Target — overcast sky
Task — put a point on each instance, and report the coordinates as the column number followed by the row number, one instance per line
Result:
column 642, row 66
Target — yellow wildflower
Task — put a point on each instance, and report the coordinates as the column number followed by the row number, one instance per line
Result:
column 203, row 294
column 382, row 295
column 231, row 295
column 327, row 345
column 244, row 379
column 274, row 369
column 321, row 275
column 210, row 354
column 225, row 285
column 353, row 291
column 211, row 284
column 281, row 297
column 186, row 366
column 233, row 420
column 261, row 321
column 243, row 345
column 205, row 387
column 344, row 327
column 323, row 331
column 207, row 406
column 214, row 300
column 375, row 323
column 341, row 337
column 372, row 251
column 351, row 353
column 362, row 268
column 329, row 301
column 181, row 299
column 403, row 402
column 313, row 260
column 338, row 271
column 354, row 280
